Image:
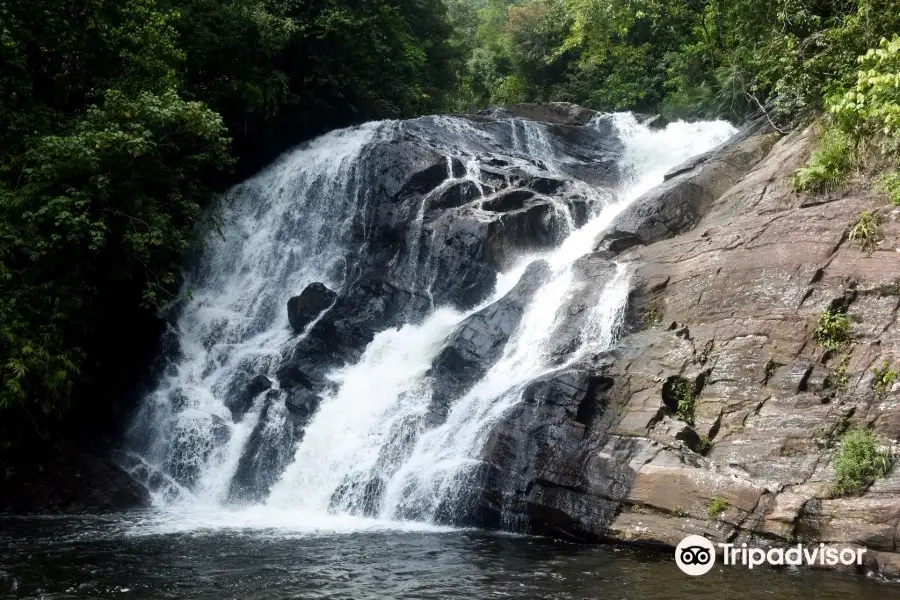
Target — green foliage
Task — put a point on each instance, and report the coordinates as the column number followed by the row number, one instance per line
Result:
column 884, row 379
column 830, row 165
column 651, row 317
column 889, row 183
column 859, row 462
column 70, row 215
column 866, row 112
column 704, row 445
column 683, row 394
column 871, row 107
column 833, row 331
column 839, row 378
column 866, row 231
column 118, row 121
column 716, row 506
column 687, row 59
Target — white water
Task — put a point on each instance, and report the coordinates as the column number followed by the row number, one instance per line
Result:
column 371, row 427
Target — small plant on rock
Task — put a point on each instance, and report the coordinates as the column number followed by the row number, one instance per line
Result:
column 859, row 462
column 716, row 506
column 839, row 378
column 704, row 444
column 885, row 377
column 651, row 318
column 833, row 331
column 866, row 232
column 683, row 392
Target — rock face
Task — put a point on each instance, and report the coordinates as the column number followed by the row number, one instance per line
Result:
column 68, row 481
column 303, row 309
column 478, row 342
column 433, row 233
column 731, row 272
column 561, row 113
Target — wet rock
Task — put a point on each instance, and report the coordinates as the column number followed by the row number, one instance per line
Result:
column 245, row 391
column 512, row 200
column 303, row 309
column 655, row 122
column 267, row 453
column 687, row 195
column 736, row 282
column 478, row 342
column 301, row 404
column 456, row 194
column 59, row 480
column 564, row 113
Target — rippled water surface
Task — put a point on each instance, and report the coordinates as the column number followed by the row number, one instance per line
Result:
column 143, row 556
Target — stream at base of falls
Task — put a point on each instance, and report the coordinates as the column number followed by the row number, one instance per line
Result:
column 142, row 556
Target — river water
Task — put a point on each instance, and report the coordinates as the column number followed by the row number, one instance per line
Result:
column 141, row 556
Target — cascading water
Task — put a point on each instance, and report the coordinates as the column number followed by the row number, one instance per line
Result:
column 368, row 451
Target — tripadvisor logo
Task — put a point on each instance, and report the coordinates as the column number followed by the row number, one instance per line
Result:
column 696, row 555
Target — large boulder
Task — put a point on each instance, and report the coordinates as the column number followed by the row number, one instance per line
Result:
column 478, row 342
column 244, row 391
column 312, row 301
column 686, row 196
column 564, row 113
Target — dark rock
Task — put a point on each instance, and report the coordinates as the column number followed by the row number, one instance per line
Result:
column 303, row 309
column 456, row 194
column 678, row 204
column 507, row 201
column 564, row 113
column 68, row 482
column 301, row 404
column 268, row 452
column 654, row 122
column 478, row 342
column 247, row 391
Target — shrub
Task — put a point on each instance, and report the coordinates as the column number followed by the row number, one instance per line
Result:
column 704, row 445
column 833, row 331
column 872, row 106
column 884, row 380
column 651, row 318
column 683, row 394
column 866, row 231
column 859, row 462
column 890, row 185
column 840, row 378
column 830, row 165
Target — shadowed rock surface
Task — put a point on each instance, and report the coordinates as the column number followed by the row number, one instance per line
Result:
column 478, row 342
column 65, row 481
column 303, row 309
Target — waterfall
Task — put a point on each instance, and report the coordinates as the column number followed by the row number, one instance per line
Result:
column 368, row 450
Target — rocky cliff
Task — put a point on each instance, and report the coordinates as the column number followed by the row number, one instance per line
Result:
column 732, row 270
